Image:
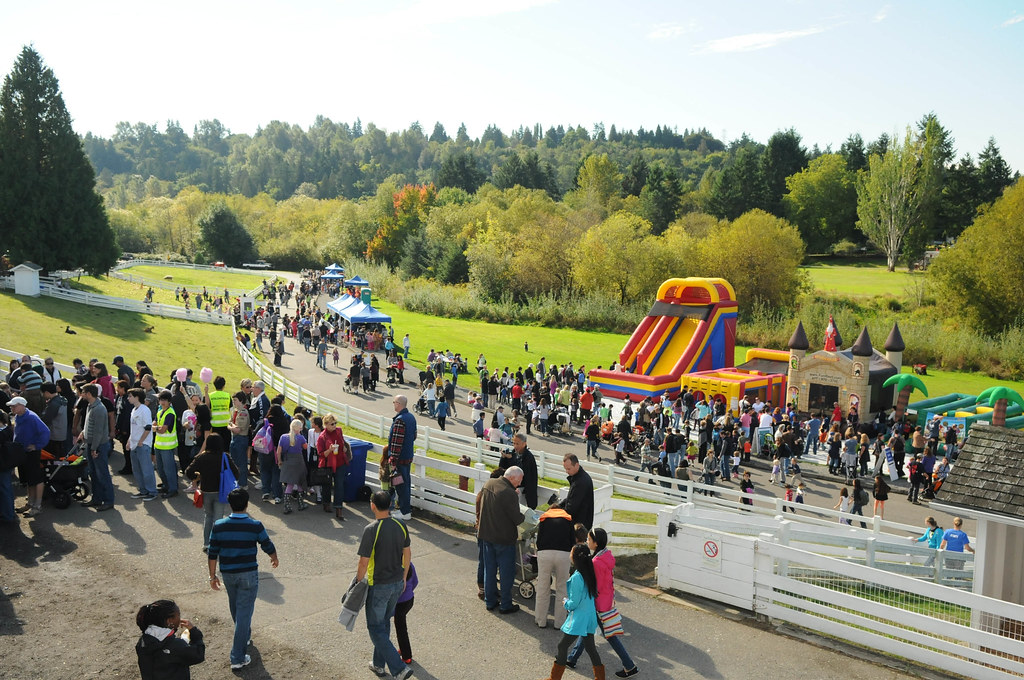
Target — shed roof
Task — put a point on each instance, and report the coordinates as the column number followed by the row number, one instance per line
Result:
column 988, row 475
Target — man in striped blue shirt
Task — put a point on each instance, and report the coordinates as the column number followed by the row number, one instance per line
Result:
column 233, row 540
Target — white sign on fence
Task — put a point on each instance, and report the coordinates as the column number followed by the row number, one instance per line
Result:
column 712, row 553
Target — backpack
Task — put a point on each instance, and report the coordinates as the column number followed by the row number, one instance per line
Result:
column 263, row 442
column 862, row 497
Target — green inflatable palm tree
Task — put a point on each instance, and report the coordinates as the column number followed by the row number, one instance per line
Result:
column 905, row 384
column 999, row 398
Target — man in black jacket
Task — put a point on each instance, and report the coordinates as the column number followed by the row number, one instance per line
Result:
column 525, row 460
column 580, row 501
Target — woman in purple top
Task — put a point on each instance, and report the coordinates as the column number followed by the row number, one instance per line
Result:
column 405, row 601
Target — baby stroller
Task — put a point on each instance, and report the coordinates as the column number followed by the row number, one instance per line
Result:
column 526, row 552
column 392, row 380
column 65, row 478
column 560, row 423
column 421, row 405
column 353, row 379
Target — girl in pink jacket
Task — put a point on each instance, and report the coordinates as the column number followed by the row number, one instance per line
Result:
column 607, row 615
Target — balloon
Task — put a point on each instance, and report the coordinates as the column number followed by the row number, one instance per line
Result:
column 206, row 375
column 181, row 374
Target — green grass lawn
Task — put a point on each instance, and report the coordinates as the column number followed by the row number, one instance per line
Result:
column 502, row 345
column 197, row 278
column 860, row 279
column 107, row 285
column 36, row 326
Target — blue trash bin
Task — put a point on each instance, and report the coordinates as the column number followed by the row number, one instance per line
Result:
column 356, row 468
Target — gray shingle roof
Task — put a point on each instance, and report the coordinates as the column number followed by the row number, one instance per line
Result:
column 988, row 475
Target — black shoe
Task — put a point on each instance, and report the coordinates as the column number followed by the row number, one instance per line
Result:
column 91, row 504
column 511, row 610
column 627, row 674
column 169, row 495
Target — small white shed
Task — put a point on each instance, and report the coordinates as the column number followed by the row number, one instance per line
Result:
column 26, row 279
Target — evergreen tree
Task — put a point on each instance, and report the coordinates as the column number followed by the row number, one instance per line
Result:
column 854, row 152
column 960, row 197
column 460, row 170
column 739, row 187
column 224, row 237
column 462, row 137
column 993, row 173
column 636, row 176
column 439, row 135
column 782, row 157
column 659, row 200
column 49, row 211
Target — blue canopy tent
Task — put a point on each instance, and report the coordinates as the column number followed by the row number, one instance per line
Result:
column 357, row 281
column 334, row 268
column 332, row 276
column 363, row 313
column 342, row 302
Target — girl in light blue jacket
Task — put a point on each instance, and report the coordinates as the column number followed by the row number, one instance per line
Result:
column 581, row 589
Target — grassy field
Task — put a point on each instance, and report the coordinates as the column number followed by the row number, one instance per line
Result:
column 502, row 345
column 107, row 285
column 36, row 326
column 860, row 279
column 197, row 278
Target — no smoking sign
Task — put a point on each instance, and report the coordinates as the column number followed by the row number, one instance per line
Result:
column 711, row 553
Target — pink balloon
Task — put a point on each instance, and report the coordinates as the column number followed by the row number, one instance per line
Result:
column 181, row 374
column 206, row 375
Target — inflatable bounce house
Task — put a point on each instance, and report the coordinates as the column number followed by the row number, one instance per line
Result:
column 691, row 327
column 688, row 339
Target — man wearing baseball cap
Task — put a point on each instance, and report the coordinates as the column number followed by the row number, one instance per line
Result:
column 33, row 435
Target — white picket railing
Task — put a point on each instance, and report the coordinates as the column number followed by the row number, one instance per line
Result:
column 958, row 631
column 125, row 264
column 117, row 272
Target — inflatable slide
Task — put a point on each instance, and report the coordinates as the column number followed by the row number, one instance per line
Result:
column 691, row 327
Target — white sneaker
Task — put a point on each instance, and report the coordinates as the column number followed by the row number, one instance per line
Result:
column 404, row 673
column 236, row 666
column 405, row 517
column 377, row 669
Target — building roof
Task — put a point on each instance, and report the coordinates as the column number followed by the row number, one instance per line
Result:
column 862, row 348
column 799, row 338
column 894, row 343
column 31, row 266
column 988, row 475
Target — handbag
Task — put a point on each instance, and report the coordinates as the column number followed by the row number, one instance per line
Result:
column 228, row 483
column 610, row 622
column 197, row 498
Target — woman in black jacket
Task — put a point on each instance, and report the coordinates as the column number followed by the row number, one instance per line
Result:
column 206, row 468
column 162, row 656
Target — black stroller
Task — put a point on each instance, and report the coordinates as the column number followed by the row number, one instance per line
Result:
column 352, row 381
column 65, row 478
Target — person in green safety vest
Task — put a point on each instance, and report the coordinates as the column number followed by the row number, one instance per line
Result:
column 165, row 445
column 219, row 402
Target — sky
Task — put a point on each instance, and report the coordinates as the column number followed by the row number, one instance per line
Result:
column 827, row 68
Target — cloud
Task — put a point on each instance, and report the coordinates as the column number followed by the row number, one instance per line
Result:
column 1016, row 19
column 670, row 31
column 755, row 41
column 881, row 14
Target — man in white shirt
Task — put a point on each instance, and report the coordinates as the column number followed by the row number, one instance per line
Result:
column 758, row 405
column 140, row 445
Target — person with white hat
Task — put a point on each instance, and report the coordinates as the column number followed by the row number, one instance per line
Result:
column 33, row 435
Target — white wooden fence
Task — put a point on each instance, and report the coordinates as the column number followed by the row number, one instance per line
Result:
column 51, row 288
column 170, row 285
column 929, row 623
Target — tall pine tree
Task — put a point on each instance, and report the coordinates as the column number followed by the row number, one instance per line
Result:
column 49, row 211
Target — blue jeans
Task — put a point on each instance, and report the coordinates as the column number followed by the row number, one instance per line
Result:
column 784, row 465
column 165, row 466
column 479, row 561
column 499, row 560
column 6, row 497
column 380, row 607
column 676, row 417
column 406, row 352
column 270, row 475
column 725, row 466
column 142, row 468
column 242, row 588
column 592, row 447
column 404, row 491
column 99, row 470
column 673, row 460
column 807, row 444
column 616, row 643
column 432, row 407
column 239, row 449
